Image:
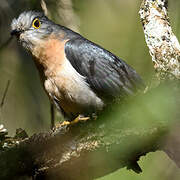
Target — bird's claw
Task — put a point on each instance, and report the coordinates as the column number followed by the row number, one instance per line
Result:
column 76, row 120
column 59, row 125
column 65, row 123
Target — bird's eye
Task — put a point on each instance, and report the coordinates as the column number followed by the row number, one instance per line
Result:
column 36, row 23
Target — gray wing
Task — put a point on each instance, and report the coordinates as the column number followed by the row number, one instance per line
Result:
column 105, row 73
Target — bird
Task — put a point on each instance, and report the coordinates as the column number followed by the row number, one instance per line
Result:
column 79, row 76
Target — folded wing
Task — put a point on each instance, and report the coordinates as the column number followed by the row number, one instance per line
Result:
column 105, row 73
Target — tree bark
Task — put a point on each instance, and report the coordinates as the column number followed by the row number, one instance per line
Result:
column 161, row 41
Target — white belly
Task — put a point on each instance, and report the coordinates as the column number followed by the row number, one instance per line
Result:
column 71, row 91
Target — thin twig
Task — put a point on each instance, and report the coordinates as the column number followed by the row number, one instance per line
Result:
column 52, row 116
column 5, row 93
column 44, row 7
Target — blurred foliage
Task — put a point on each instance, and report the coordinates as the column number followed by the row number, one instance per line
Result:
column 157, row 110
column 114, row 25
column 156, row 166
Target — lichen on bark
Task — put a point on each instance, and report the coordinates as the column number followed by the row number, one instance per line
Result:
column 161, row 41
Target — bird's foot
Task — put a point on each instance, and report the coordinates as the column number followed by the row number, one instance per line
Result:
column 65, row 123
column 58, row 125
column 78, row 119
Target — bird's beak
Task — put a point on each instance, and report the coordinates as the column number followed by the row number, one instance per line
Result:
column 16, row 33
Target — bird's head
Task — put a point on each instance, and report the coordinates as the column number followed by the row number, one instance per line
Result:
column 31, row 28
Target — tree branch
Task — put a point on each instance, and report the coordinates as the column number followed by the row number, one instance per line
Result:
column 4, row 95
column 161, row 41
column 94, row 148
column 62, row 12
column 165, row 51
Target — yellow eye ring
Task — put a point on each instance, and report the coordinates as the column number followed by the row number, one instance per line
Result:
column 36, row 23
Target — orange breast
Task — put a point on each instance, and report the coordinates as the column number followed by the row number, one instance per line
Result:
column 58, row 79
column 50, row 55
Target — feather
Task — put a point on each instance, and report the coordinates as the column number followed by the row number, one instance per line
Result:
column 106, row 74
